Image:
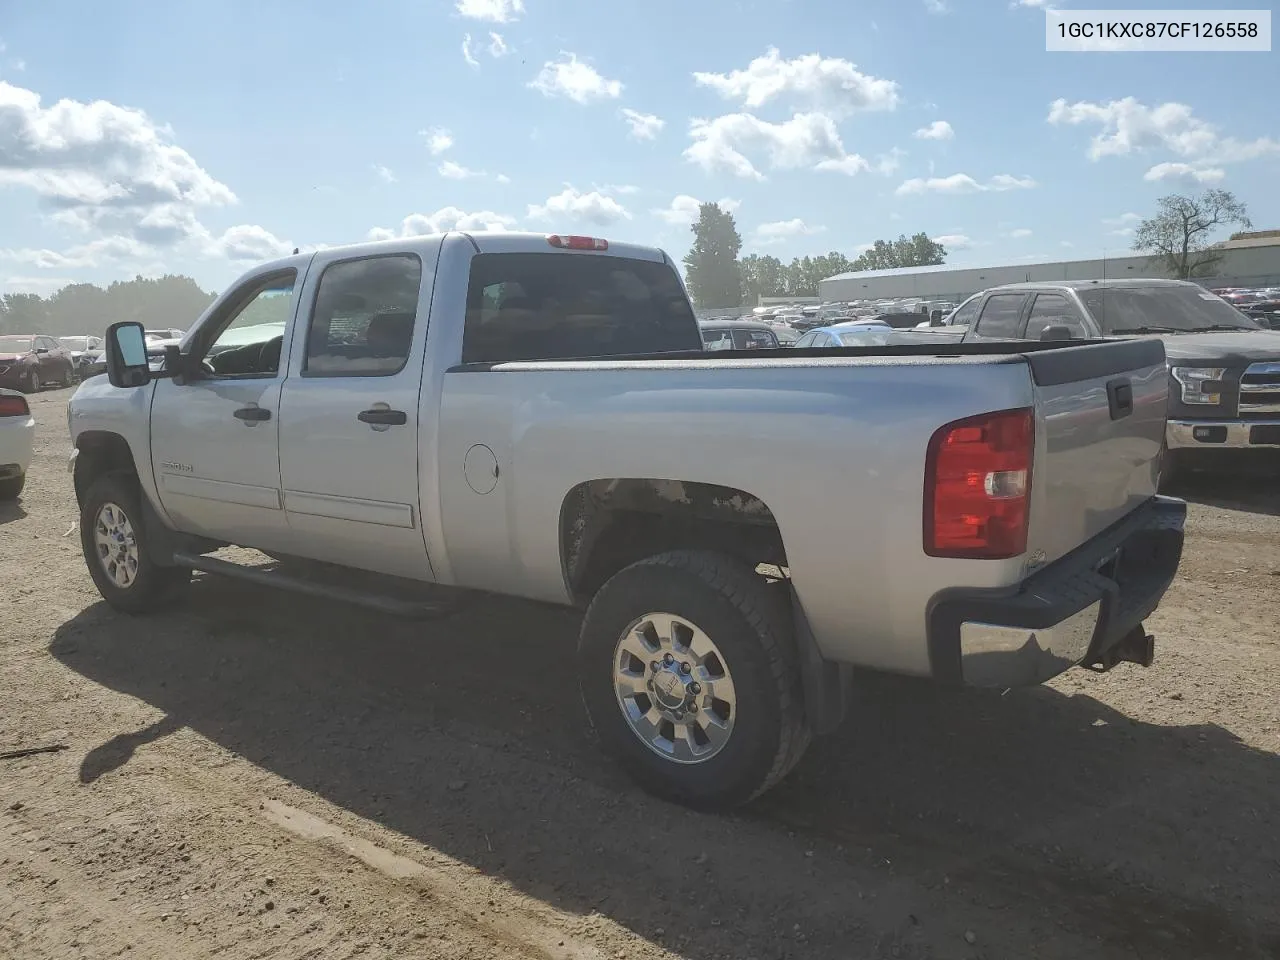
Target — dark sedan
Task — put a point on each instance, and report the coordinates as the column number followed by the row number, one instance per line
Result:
column 31, row 361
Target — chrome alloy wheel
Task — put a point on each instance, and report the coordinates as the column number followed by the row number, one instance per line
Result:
column 674, row 689
column 116, row 545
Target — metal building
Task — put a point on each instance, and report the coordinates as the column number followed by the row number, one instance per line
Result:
column 1247, row 260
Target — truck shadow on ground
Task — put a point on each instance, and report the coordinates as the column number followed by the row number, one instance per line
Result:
column 1246, row 493
column 1030, row 814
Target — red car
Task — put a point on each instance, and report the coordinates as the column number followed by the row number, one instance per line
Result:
column 31, row 361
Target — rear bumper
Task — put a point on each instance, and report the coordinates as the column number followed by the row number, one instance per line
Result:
column 17, row 436
column 1071, row 612
column 1223, row 434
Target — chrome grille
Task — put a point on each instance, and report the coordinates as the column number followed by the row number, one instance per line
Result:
column 1260, row 390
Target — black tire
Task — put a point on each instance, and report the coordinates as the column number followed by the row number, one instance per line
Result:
column 11, row 487
column 751, row 625
column 150, row 586
column 69, row 378
column 31, row 383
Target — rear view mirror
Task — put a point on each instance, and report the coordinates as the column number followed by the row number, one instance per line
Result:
column 1056, row 332
column 127, row 355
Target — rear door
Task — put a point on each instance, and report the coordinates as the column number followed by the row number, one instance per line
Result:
column 1100, row 423
column 350, row 411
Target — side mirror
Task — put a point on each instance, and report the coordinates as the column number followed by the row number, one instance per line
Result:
column 42, row 349
column 126, row 355
column 936, row 317
column 1056, row 332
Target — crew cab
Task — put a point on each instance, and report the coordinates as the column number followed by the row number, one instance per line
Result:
column 1224, row 367
column 536, row 416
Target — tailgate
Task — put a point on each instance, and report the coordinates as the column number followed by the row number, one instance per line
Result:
column 1100, row 423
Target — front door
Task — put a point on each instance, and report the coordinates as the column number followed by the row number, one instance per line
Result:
column 350, row 411
column 215, row 437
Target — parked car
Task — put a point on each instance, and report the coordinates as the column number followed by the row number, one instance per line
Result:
column 1265, row 312
column 852, row 333
column 563, row 436
column 738, row 335
column 165, row 333
column 17, row 434
column 81, row 348
column 1224, row 369
column 30, row 361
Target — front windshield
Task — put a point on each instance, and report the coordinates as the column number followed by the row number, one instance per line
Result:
column 1120, row 310
column 15, row 344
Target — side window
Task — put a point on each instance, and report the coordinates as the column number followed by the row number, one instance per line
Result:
column 45, row 343
column 363, row 319
column 967, row 312
column 248, row 337
column 548, row 306
column 1000, row 316
column 717, row 339
column 1053, row 310
column 806, row 340
column 754, row 340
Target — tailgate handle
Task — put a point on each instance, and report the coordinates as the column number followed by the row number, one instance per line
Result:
column 1120, row 397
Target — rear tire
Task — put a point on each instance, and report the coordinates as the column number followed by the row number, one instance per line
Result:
column 716, row 603
column 117, row 553
column 11, row 487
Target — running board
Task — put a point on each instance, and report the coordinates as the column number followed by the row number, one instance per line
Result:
column 283, row 581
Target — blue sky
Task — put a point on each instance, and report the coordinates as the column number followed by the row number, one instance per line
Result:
column 198, row 137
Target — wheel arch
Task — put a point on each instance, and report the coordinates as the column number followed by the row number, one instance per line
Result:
column 608, row 524
column 100, row 452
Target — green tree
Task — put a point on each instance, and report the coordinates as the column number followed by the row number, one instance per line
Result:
column 762, row 277
column 711, row 266
column 83, row 308
column 914, row 251
column 1180, row 233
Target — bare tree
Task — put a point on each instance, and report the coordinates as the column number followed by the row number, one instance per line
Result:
column 1180, row 232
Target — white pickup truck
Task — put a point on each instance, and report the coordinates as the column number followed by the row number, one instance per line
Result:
column 534, row 415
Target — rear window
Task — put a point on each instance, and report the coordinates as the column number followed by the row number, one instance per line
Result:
column 549, row 306
column 754, row 340
column 1183, row 309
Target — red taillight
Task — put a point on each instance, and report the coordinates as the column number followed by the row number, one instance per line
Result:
column 14, row 407
column 977, row 486
column 578, row 243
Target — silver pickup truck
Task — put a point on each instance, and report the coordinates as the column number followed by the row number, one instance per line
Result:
column 534, row 415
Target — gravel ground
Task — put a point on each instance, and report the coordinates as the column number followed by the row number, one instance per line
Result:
column 261, row 775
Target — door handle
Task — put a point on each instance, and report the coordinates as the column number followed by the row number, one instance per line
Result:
column 383, row 418
column 252, row 414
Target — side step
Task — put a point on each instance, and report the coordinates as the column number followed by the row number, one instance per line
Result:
column 409, row 609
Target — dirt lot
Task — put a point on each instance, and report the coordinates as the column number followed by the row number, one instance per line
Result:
column 259, row 775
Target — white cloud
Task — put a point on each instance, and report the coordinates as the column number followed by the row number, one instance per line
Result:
column 806, row 140
column 1037, row 4
column 456, row 171
column 497, row 46
column 577, row 81
column 385, row 174
column 251, row 242
column 938, row 130
column 623, row 188
column 502, row 178
column 113, row 174
column 1185, row 172
column 963, row 183
column 1020, row 233
column 953, row 241
column 1123, row 225
column 644, row 126
column 593, row 207
column 936, row 6
column 438, row 140
column 39, row 285
column 1127, row 125
column 827, row 83
column 445, row 219
column 780, row 230
column 494, row 11
column 683, row 209
column 467, row 55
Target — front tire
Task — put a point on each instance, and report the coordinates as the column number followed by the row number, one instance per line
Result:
column 31, row 383
column 11, row 487
column 116, row 551
column 689, row 673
